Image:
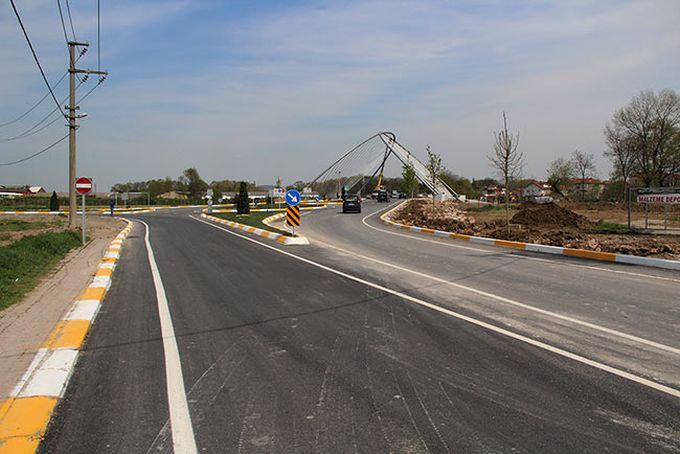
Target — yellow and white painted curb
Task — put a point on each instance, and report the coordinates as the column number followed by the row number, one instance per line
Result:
column 282, row 239
column 542, row 248
column 34, row 212
column 24, row 415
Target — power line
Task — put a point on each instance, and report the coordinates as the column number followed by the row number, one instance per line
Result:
column 44, row 150
column 70, row 19
column 32, row 108
column 99, row 36
column 35, row 57
column 32, row 130
column 63, row 25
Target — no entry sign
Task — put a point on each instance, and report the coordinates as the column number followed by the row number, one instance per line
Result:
column 84, row 185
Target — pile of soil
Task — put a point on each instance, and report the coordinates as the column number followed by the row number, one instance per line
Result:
column 446, row 216
column 549, row 214
column 547, row 224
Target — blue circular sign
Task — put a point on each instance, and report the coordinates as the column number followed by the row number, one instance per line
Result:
column 293, row 197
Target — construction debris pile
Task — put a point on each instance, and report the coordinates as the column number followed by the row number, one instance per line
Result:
column 445, row 216
column 548, row 224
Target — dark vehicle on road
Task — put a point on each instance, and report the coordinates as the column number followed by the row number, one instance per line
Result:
column 383, row 196
column 351, row 203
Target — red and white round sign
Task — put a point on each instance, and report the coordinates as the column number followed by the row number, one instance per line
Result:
column 84, row 185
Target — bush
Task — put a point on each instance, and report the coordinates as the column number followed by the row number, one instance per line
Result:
column 243, row 203
column 54, row 202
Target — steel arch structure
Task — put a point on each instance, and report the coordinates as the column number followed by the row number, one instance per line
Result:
column 379, row 147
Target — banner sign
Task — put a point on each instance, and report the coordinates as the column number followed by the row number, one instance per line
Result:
column 673, row 199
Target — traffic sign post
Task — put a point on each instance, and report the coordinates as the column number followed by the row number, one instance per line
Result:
column 84, row 186
column 293, row 218
column 293, row 199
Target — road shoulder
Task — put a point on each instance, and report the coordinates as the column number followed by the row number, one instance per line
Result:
column 41, row 336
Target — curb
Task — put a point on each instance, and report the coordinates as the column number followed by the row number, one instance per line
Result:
column 541, row 248
column 25, row 413
column 273, row 210
column 281, row 239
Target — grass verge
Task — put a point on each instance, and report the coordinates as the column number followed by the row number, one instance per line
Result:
column 252, row 219
column 25, row 261
column 611, row 227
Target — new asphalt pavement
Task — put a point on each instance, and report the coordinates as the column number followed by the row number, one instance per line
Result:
column 370, row 340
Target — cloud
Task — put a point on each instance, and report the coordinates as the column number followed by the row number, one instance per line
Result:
column 256, row 93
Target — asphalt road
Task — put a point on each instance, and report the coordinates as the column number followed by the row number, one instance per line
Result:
column 368, row 341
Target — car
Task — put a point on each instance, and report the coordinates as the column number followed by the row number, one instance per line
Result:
column 383, row 196
column 351, row 203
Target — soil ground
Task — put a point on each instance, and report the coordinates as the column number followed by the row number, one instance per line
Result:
column 549, row 224
column 25, row 325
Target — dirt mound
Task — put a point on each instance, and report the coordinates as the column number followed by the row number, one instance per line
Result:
column 446, row 216
column 549, row 214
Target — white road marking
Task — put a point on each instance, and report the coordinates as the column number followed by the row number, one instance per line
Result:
column 183, row 440
column 502, row 299
column 524, row 257
column 488, row 326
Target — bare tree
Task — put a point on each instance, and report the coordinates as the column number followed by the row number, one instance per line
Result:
column 650, row 123
column 584, row 166
column 507, row 161
column 435, row 169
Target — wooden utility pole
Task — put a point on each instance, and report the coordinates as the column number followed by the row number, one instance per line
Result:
column 72, row 127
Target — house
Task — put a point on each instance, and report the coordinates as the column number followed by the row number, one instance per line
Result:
column 173, row 195
column 534, row 190
column 12, row 191
column 586, row 188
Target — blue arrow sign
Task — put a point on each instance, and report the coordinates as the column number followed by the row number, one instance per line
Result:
column 293, row 197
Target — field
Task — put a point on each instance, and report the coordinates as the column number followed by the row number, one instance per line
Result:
column 583, row 227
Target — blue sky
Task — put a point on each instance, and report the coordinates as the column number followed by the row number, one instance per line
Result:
column 260, row 90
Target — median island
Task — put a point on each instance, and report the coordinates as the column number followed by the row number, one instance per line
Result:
column 253, row 219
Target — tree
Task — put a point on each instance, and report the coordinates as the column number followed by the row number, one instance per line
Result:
column 194, row 184
column 621, row 153
column 560, row 171
column 410, row 181
column 507, row 161
column 243, row 202
column 54, row 202
column 584, row 166
column 278, row 183
column 650, row 124
column 459, row 184
column 435, row 169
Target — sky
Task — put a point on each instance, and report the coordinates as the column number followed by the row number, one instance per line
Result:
column 279, row 89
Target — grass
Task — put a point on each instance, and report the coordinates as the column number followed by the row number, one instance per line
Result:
column 252, row 219
column 25, row 261
column 611, row 227
column 17, row 225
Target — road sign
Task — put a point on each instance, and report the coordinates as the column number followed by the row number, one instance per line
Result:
column 293, row 197
column 84, row 185
column 293, row 216
column 209, row 192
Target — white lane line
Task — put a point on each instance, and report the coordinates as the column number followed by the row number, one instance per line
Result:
column 502, row 299
column 581, row 359
column 520, row 256
column 183, row 440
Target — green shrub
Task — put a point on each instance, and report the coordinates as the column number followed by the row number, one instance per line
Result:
column 243, row 203
column 54, row 202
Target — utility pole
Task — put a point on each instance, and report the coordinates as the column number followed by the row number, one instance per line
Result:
column 72, row 127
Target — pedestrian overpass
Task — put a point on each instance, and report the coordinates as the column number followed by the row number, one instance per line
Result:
column 357, row 168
